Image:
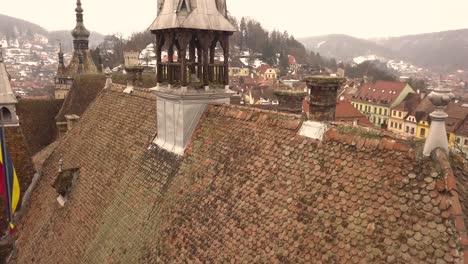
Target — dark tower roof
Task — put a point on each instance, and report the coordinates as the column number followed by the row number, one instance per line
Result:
column 192, row 14
column 80, row 32
column 61, row 65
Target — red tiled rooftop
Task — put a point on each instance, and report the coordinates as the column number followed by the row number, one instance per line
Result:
column 382, row 92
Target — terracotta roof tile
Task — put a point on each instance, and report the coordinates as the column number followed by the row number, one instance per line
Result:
column 37, row 118
column 248, row 189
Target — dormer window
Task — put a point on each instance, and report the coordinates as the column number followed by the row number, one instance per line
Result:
column 64, row 184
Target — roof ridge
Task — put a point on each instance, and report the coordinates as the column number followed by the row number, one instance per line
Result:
column 273, row 118
column 367, row 142
column 137, row 91
column 451, row 189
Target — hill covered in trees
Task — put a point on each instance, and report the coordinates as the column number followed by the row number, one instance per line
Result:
column 21, row 31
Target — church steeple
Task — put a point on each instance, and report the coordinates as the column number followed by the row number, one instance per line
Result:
column 80, row 33
column 61, row 62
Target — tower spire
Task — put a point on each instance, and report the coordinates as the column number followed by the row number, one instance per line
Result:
column 1, row 53
column 60, row 55
column 80, row 33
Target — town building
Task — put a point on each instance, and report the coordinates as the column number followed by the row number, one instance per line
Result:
column 267, row 72
column 461, row 138
column 400, row 121
column 375, row 100
column 81, row 62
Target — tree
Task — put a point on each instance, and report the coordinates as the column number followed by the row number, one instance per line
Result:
column 269, row 55
column 283, row 64
column 243, row 32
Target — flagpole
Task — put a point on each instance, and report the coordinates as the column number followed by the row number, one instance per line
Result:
column 6, row 172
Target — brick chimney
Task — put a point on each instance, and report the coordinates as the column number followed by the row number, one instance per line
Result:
column 322, row 100
column 290, row 101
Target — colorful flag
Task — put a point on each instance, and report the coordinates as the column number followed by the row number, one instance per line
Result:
column 9, row 185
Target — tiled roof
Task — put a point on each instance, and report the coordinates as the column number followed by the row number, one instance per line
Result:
column 409, row 104
column 381, row 93
column 6, row 93
column 73, row 68
column 462, row 130
column 346, row 112
column 263, row 68
column 37, row 118
column 83, row 91
column 249, row 189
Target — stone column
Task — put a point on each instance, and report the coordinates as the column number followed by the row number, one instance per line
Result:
column 183, row 39
column 192, row 56
column 224, row 40
column 206, row 39
column 159, row 46
column 323, row 93
column 437, row 137
column 170, row 56
column 212, row 60
column 199, row 61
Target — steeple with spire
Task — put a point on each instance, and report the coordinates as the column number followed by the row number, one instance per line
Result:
column 81, row 62
column 61, row 64
column 80, row 33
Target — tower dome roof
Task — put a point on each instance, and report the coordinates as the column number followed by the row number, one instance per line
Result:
column 80, row 32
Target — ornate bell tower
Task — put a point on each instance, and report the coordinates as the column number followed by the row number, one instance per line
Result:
column 190, row 81
column 81, row 61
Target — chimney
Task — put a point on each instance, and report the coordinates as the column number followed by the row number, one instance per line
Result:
column 108, row 73
column 134, row 70
column 322, row 100
column 437, row 137
column 290, row 101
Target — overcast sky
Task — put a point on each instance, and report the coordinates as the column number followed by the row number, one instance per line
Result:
column 361, row 18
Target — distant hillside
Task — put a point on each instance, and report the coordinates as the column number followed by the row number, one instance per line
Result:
column 442, row 51
column 447, row 50
column 11, row 27
column 67, row 40
column 344, row 47
column 18, row 29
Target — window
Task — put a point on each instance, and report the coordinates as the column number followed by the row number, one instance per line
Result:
column 412, row 131
column 399, row 114
column 394, row 113
column 458, row 140
column 64, row 184
column 6, row 114
column 360, row 107
column 407, row 129
column 466, row 142
column 380, row 111
column 400, row 126
column 423, row 132
column 380, row 121
column 391, row 123
column 385, row 112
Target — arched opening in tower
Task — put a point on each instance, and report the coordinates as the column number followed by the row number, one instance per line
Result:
column 6, row 114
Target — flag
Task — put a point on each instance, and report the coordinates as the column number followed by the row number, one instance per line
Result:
column 9, row 185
